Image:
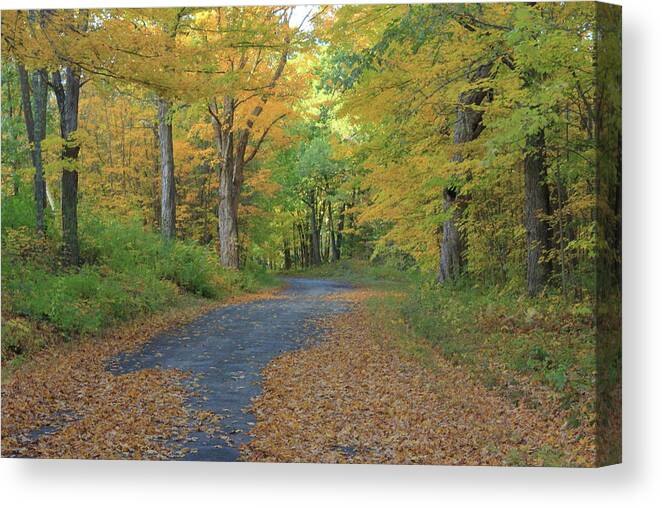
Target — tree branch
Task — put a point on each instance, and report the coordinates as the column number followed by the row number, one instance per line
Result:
column 261, row 139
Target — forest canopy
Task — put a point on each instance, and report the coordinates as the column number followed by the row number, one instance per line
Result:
column 457, row 139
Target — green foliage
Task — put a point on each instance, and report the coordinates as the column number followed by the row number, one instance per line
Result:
column 84, row 301
column 128, row 249
column 19, row 210
column 364, row 273
column 127, row 272
column 388, row 254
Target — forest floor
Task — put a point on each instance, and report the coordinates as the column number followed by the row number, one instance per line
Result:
column 175, row 387
column 311, row 373
column 362, row 395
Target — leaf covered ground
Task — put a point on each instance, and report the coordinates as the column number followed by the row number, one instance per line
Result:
column 65, row 403
column 356, row 397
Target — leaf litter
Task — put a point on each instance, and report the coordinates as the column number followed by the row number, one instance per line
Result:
column 354, row 397
column 65, row 403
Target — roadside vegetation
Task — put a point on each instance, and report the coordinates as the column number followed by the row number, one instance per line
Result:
column 535, row 353
column 125, row 273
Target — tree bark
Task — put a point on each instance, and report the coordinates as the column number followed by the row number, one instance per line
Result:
column 340, row 230
column 10, row 114
column 70, row 216
column 232, row 148
column 168, row 190
column 452, row 244
column 314, row 234
column 333, row 239
column 468, row 126
column 67, row 95
column 228, row 213
column 287, row 254
column 35, row 124
column 536, row 209
column 156, row 168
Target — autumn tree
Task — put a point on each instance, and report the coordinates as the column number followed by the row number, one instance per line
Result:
column 236, row 116
column 39, row 45
column 416, row 80
column 35, row 125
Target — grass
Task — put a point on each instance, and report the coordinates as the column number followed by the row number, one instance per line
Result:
column 510, row 343
column 126, row 273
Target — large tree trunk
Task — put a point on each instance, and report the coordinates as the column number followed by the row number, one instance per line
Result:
column 452, row 244
column 67, row 96
column 156, row 170
column 168, row 191
column 35, row 125
column 10, row 114
column 468, row 126
column 231, row 147
column 228, row 212
column 536, row 208
column 70, row 216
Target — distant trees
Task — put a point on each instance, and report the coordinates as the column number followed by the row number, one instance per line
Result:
column 458, row 137
column 504, row 177
column 311, row 198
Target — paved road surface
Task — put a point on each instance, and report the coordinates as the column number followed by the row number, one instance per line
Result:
column 227, row 348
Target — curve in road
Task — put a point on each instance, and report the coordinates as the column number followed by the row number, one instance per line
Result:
column 225, row 351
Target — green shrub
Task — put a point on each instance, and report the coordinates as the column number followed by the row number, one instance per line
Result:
column 389, row 255
column 190, row 267
column 126, row 272
column 19, row 211
column 85, row 301
column 492, row 331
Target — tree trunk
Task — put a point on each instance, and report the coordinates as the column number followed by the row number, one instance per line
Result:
column 67, row 96
column 287, row 254
column 305, row 247
column 70, row 216
column 326, row 245
column 10, row 114
column 468, row 126
column 340, row 231
column 35, row 125
column 334, row 244
column 536, row 209
column 168, row 191
column 314, row 233
column 228, row 222
column 452, row 244
column 156, row 168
